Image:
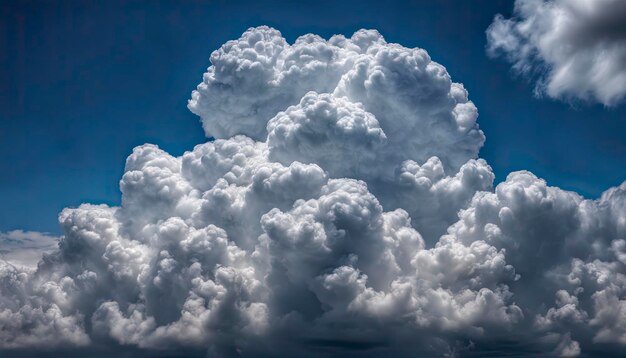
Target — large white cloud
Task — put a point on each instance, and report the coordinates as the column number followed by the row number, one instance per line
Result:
column 576, row 47
column 342, row 210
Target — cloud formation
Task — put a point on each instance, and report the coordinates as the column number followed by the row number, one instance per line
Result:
column 26, row 248
column 576, row 48
column 342, row 210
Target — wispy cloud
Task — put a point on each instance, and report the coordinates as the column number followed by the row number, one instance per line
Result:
column 25, row 248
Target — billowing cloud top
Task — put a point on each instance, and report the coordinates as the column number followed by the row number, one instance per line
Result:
column 576, row 47
column 415, row 110
column 341, row 210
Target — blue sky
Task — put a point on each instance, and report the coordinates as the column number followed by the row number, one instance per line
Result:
column 85, row 82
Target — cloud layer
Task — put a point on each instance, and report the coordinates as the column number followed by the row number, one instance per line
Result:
column 577, row 48
column 25, row 248
column 341, row 210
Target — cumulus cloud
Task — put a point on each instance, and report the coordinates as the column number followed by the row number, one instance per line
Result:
column 342, row 209
column 577, row 48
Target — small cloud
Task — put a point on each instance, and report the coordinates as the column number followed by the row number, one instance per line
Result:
column 25, row 248
column 576, row 50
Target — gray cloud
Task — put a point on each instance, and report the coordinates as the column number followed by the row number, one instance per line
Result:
column 342, row 211
column 576, row 47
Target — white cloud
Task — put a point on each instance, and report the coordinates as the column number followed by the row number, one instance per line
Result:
column 342, row 210
column 577, row 48
column 25, row 248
